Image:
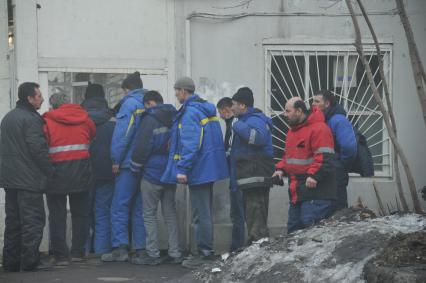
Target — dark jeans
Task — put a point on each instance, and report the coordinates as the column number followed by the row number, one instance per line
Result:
column 202, row 216
column 79, row 206
column 25, row 219
column 237, row 219
column 306, row 213
column 342, row 180
column 256, row 202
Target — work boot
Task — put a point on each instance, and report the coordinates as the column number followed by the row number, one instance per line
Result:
column 61, row 262
column 193, row 262
column 117, row 254
column 172, row 260
column 142, row 257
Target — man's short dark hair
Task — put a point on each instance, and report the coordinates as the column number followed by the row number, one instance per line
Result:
column 27, row 89
column 299, row 104
column 224, row 102
column 327, row 95
column 153, row 95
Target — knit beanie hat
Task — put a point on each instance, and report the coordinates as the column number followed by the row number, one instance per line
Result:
column 133, row 81
column 58, row 99
column 185, row 83
column 94, row 90
column 244, row 95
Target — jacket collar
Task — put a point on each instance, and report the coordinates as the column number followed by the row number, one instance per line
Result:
column 27, row 107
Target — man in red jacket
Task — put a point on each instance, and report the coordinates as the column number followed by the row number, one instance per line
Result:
column 307, row 161
column 69, row 131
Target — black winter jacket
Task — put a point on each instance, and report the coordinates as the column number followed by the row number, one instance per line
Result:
column 100, row 149
column 25, row 162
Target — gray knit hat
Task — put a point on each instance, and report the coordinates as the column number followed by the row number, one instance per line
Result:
column 185, row 83
column 57, row 99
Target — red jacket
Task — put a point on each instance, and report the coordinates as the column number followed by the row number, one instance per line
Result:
column 308, row 152
column 69, row 131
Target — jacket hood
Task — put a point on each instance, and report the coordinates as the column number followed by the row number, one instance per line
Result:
column 207, row 108
column 137, row 94
column 337, row 109
column 258, row 113
column 164, row 113
column 316, row 116
column 70, row 114
column 94, row 103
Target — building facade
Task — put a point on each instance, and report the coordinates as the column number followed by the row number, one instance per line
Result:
column 279, row 48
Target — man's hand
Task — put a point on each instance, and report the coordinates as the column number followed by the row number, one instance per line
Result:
column 278, row 173
column 182, row 179
column 115, row 169
column 311, row 182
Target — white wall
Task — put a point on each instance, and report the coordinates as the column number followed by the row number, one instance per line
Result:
column 230, row 53
column 221, row 55
column 4, row 87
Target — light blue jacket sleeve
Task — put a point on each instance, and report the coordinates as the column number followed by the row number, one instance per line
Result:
column 190, row 132
column 121, row 137
column 253, row 131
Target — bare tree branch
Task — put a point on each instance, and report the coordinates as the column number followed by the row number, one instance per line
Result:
column 386, row 119
column 388, row 104
column 416, row 63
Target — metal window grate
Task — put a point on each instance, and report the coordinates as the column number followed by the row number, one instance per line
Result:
column 302, row 70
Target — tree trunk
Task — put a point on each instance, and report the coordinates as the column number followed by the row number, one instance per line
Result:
column 416, row 63
column 386, row 119
column 389, row 106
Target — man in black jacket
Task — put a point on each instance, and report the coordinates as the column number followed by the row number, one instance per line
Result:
column 236, row 200
column 100, row 196
column 149, row 160
column 25, row 168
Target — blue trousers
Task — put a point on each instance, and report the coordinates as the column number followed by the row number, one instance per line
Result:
column 237, row 219
column 127, row 201
column 104, row 191
column 306, row 213
column 202, row 216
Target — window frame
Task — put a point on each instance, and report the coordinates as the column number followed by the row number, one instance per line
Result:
column 280, row 47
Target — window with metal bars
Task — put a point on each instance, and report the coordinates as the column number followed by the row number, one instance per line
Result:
column 303, row 70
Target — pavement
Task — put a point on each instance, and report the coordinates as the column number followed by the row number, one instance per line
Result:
column 95, row 271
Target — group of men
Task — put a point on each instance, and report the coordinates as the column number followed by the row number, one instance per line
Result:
column 119, row 164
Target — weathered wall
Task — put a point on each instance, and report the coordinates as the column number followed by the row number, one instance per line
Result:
column 221, row 55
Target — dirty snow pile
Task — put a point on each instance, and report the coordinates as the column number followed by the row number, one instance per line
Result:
column 334, row 251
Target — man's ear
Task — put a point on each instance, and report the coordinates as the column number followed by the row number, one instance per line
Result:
column 327, row 103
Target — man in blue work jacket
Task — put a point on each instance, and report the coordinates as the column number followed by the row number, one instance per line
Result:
column 345, row 144
column 127, row 198
column 197, row 158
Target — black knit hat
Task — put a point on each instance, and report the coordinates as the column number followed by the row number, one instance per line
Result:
column 94, row 90
column 244, row 95
column 133, row 81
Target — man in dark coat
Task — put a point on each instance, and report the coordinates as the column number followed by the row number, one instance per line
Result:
column 25, row 168
column 251, row 157
column 103, row 178
column 69, row 131
column 224, row 106
column 149, row 160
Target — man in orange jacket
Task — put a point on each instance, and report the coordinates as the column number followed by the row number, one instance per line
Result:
column 69, row 131
column 307, row 161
